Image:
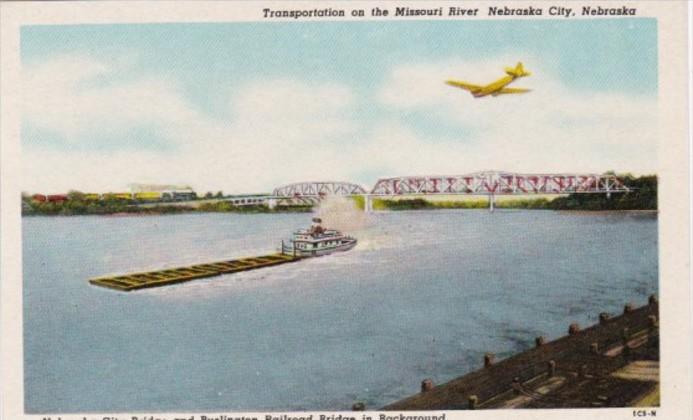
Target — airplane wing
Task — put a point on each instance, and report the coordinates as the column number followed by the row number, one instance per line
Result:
column 464, row 85
column 510, row 90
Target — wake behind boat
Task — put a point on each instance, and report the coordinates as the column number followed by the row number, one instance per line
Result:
column 317, row 241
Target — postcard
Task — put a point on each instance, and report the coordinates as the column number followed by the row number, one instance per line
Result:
column 370, row 210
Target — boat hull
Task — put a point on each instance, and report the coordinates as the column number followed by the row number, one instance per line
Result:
column 305, row 253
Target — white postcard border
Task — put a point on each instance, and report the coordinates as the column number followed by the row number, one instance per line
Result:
column 674, row 188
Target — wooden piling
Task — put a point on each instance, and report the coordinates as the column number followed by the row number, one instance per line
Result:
column 537, row 368
column 516, row 385
column 551, row 371
column 426, row 385
column 358, row 406
column 582, row 372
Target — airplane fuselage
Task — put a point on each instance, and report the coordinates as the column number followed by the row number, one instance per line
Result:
column 494, row 87
column 498, row 87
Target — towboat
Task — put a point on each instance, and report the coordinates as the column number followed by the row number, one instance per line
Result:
column 316, row 241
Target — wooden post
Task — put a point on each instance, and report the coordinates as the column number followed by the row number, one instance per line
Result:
column 488, row 359
column 426, row 385
column 551, row 367
column 626, row 351
column 516, row 385
column 358, row 406
column 473, row 401
column 539, row 341
column 625, row 335
column 582, row 372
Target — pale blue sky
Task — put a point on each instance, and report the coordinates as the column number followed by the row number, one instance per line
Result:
column 208, row 63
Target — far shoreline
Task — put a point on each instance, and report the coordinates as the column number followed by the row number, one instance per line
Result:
column 302, row 210
column 633, row 211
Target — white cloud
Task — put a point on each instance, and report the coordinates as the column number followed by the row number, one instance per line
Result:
column 284, row 130
column 552, row 128
column 276, row 131
column 64, row 96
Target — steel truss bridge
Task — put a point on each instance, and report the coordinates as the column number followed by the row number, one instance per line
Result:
column 492, row 183
column 485, row 183
column 312, row 192
column 318, row 189
column 495, row 183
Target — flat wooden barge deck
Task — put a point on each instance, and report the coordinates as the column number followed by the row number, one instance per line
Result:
column 169, row 276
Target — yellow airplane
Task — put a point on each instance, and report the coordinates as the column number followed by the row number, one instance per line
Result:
column 495, row 88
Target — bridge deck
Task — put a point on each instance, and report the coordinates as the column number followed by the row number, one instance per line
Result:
column 165, row 277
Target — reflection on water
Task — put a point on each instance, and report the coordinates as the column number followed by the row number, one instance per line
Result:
column 424, row 294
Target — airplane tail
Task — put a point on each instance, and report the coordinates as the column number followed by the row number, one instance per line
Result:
column 517, row 71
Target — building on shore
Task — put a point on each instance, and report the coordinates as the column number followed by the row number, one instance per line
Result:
column 163, row 192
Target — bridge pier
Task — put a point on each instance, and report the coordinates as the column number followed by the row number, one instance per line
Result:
column 367, row 203
column 491, row 202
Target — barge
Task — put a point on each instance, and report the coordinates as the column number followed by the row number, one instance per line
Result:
column 312, row 242
column 166, row 277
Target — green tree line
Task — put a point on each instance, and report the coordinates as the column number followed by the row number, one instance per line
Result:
column 643, row 196
column 78, row 204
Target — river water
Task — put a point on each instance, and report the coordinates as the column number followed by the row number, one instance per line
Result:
column 424, row 295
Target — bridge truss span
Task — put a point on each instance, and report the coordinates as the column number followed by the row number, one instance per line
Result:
column 499, row 183
column 318, row 189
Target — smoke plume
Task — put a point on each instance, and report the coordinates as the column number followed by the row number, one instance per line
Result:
column 341, row 213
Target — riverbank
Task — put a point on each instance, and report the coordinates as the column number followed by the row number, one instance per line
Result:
column 120, row 209
column 381, row 205
column 633, row 212
column 614, row 363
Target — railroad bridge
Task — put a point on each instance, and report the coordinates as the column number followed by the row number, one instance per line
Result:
column 484, row 183
column 312, row 192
